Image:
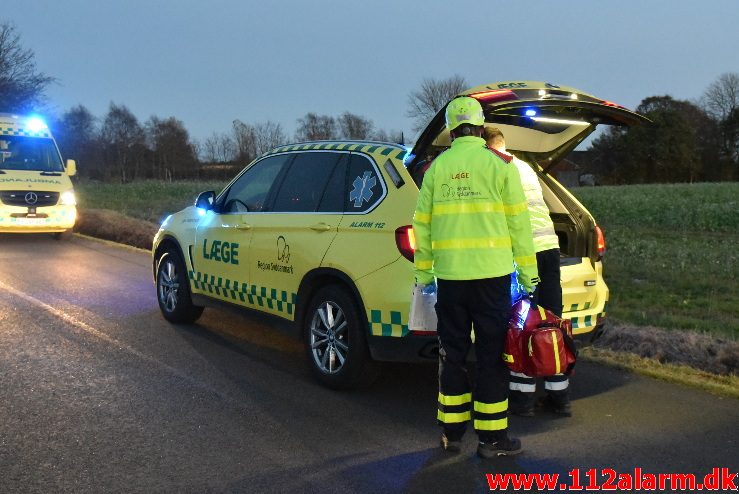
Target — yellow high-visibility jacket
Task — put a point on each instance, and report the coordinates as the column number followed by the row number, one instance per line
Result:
column 471, row 219
column 542, row 227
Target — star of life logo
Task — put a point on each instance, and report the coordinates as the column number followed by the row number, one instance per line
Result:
column 362, row 189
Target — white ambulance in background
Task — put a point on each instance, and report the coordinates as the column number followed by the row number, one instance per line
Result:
column 36, row 194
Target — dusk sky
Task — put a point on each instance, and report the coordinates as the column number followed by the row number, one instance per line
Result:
column 208, row 63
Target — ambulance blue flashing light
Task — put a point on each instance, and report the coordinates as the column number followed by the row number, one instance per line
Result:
column 35, row 124
column 530, row 112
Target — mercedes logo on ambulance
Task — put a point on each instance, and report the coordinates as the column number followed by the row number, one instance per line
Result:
column 31, row 198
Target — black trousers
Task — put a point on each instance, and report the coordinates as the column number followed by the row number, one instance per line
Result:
column 486, row 303
column 548, row 292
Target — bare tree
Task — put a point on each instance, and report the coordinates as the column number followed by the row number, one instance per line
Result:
column 219, row 148
column 124, row 143
column 722, row 96
column 21, row 85
column 245, row 140
column 395, row 136
column 173, row 155
column 313, row 127
column 353, row 126
column 268, row 135
column 431, row 97
column 78, row 138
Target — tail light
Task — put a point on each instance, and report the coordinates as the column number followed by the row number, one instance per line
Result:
column 406, row 241
column 601, row 241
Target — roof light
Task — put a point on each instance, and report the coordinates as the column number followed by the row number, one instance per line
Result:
column 573, row 96
column 559, row 121
column 35, row 124
column 530, row 112
column 542, row 93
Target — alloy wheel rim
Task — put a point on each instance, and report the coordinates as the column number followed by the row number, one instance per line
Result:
column 328, row 338
column 168, row 286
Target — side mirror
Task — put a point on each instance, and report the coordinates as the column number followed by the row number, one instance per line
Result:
column 205, row 200
column 71, row 168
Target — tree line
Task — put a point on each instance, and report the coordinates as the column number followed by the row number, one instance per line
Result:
column 687, row 141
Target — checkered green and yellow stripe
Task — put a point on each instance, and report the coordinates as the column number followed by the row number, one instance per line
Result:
column 253, row 295
column 390, row 151
column 586, row 321
column 575, row 307
column 387, row 323
column 7, row 130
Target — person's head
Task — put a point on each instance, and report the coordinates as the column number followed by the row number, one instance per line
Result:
column 494, row 138
column 464, row 117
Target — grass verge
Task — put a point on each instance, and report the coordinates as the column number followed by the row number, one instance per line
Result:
column 681, row 374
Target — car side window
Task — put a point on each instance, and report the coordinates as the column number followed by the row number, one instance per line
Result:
column 305, row 181
column 249, row 193
column 363, row 187
column 332, row 200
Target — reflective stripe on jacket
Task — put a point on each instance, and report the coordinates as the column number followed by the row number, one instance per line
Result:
column 541, row 223
column 471, row 220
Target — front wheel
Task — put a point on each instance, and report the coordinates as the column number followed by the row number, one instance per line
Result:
column 173, row 290
column 335, row 340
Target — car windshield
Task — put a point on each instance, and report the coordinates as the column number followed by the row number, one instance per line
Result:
column 30, row 154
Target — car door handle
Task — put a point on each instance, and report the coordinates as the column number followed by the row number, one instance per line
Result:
column 320, row 227
column 243, row 226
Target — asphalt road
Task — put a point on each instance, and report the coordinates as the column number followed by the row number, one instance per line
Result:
column 98, row 393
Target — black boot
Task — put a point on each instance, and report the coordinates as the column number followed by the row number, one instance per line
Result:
column 520, row 403
column 557, row 402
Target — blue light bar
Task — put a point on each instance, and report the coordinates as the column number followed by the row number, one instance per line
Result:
column 35, row 124
column 530, row 112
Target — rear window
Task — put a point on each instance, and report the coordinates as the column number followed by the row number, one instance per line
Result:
column 303, row 186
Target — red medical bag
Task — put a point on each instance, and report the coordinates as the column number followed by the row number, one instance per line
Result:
column 538, row 343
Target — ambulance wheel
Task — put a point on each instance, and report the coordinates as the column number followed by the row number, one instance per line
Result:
column 173, row 290
column 335, row 340
column 65, row 235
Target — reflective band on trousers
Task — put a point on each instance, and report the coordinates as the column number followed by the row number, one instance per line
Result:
column 491, row 425
column 501, row 406
column 472, row 243
column 556, row 386
column 455, row 399
column 453, row 417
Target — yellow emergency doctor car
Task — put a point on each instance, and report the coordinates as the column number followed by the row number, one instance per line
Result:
column 319, row 233
column 36, row 194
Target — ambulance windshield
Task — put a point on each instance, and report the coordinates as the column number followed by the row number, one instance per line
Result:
column 29, row 154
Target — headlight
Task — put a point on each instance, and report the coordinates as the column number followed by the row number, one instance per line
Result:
column 67, row 198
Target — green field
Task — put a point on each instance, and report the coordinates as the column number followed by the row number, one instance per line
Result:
column 149, row 200
column 671, row 257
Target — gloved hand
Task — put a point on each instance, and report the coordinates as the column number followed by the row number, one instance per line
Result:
column 429, row 289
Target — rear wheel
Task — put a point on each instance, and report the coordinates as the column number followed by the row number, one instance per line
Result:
column 173, row 290
column 335, row 339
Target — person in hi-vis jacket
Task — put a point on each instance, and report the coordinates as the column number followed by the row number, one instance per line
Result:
column 471, row 223
column 548, row 292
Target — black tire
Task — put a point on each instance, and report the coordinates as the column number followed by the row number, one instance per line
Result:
column 65, row 235
column 173, row 290
column 350, row 366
